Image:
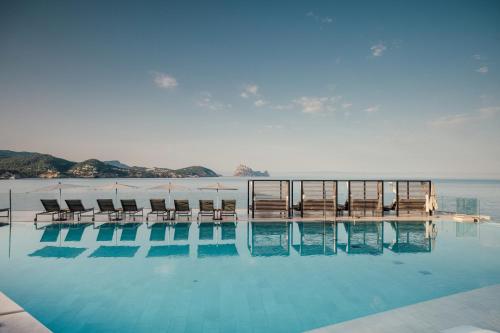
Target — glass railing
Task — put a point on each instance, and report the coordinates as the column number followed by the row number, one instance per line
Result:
column 459, row 205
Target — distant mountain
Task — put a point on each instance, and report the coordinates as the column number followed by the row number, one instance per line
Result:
column 245, row 171
column 192, row 171
column 35, row 165
column 117, row 164
column 96, row 169
column 26, row 164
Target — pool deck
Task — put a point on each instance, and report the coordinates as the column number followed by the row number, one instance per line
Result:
column 472, row 311
column 14, row 319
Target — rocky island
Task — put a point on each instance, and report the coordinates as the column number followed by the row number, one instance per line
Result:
column 245, row 171
column 36, row 165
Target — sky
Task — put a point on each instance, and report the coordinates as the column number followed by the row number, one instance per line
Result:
column 387, row 87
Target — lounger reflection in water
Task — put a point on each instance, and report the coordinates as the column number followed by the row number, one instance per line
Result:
column 58, row 252
column 206, row 231
column 50, row 233
column 364, row 238
column 316, row 238
column 168, row 251
column 181, row 231
column 228, row 231
column 158, row 232
column 217, row 250
column 75, row 232
column 411, row 237
column 119, row 251
column 106, row 232
column 268, row 239
column 129, row 231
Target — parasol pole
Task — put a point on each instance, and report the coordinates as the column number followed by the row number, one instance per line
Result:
column 169, row 188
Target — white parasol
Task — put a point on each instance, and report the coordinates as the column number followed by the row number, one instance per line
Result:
column 218, row 187
column 170, row 188
column 59, row 187
column 115, row 186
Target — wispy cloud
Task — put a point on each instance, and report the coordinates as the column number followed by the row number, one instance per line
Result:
column 378, row 49
column 320, row 19
column 251, row 90
column 489, row 112
column 372, row 109
column 482, row 70
column 459, row 120
column 311, row 104
column 476, row 56
column 207, row 102
column 274, row 126
column 281, row 107
column 346, row 105
column 260, row 103
column 165, row 81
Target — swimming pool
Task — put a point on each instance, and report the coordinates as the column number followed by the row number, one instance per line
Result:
column 248, row 277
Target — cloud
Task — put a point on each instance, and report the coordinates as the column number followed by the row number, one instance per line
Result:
column 458, row 120
column 482, row 70
column 320, row 19
column 346, row 105
column 281, row 107
column 165, row 81
column 476, row 56
column 378, row 49
column 489, row 112
column 260, row 103
column 317, row 104
column 250, row 90
column 451, row 121
column 207, row 102
column 274, row 126
column 372, row 109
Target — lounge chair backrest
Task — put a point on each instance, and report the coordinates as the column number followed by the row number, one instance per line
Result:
column 129, row 205
column 158, row 205
column 50, row 205
column 206, row 205
column 276, row 205
column 75, row 205
column 106, row 205
column 181, row 205
column 229, row 205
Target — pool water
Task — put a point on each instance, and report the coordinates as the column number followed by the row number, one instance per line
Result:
column 244, row 277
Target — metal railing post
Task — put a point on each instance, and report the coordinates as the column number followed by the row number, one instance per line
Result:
column 10, row 206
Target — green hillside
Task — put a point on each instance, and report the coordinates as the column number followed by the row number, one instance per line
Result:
column 36, row 165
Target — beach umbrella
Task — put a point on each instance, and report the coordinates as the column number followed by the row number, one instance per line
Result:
column 115, row 187
column 59, row 187
column 218, row 187
column 170, row 188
